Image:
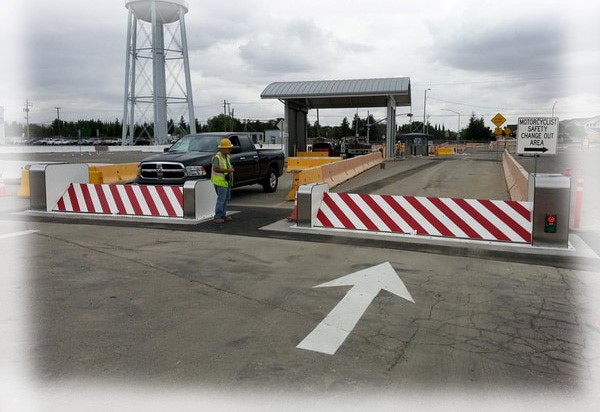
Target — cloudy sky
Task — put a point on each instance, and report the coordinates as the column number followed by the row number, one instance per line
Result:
column 514, row 57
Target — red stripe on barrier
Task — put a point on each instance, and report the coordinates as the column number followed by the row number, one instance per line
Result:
column 149, row 200
column 102, row 197
column 481, row 220
column 525, row 235
column 85, row 191
column 404, row 214
column 338, row 212
column 117, row 198
column 358, row 212
column 381, row 213
column 178, row 190
column 520, row 209
column 323, row 219
column 456, row 219
column 137, row 210
column 166, row 201
column 434, row 221
column 73, row 198
column 60, row 205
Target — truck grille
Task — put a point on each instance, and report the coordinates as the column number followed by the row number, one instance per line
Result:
column 162, row 171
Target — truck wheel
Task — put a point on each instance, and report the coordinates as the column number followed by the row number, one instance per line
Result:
column 271, row 181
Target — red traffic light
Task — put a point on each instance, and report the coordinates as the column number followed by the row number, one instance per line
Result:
column 550, row 223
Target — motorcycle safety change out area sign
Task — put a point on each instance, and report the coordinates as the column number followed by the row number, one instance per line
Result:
column 537, row 135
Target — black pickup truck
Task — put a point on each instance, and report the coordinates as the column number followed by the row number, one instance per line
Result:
column 191, row 156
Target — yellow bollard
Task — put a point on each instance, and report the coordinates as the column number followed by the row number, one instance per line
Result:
column 24, row 188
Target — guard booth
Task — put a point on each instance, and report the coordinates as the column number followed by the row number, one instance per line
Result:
column 416, row 144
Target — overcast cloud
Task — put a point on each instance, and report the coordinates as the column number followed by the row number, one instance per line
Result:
column 513, row 57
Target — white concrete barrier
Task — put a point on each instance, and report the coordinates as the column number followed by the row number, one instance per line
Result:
column 48, row 182
column 199, row 199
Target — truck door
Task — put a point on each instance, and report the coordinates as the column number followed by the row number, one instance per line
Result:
column 244, row 158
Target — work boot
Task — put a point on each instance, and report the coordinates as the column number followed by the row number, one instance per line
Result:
column 228, row 218
column 218, row 220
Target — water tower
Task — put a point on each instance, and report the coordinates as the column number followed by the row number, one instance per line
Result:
column 157, row 56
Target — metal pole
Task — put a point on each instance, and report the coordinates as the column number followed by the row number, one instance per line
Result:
column 128, row 52
column 160, row 87
column 26, row 110
column 188, row 79
column 458, row 129
column 58, row 119
column 425, row 109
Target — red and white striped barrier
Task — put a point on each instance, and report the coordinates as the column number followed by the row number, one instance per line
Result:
column 494, row 220
column 159, row 201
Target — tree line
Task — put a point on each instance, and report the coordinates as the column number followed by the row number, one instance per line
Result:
column 475, row 130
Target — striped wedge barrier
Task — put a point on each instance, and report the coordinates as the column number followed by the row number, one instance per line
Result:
column 110, row 199
column 493, row 220
column 65, row 188
column 485, row 220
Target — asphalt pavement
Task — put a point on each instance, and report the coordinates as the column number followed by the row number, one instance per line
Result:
column 143, row 314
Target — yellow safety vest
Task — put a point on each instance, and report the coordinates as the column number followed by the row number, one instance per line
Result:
column 219, row 179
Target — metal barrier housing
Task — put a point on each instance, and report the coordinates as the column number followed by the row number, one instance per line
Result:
column 551, row 196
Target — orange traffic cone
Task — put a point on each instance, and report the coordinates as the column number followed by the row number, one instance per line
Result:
column 3, row 191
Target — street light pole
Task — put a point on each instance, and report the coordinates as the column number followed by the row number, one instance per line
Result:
column 425, row 109
column 58, row 118
column 458, row 129
column 553, row 107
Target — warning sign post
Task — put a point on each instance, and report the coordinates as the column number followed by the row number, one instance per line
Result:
column 537, row 135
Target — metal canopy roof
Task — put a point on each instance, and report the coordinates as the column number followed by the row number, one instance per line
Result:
column 330, row 94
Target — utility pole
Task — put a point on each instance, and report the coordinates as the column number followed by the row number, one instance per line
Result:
column 425, row 110
column 58, row 118
column 226, row 113
column 26, row 110
column 458, row 128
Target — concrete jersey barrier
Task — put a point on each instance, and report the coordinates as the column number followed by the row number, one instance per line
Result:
column 517, row 178
column 334, row 173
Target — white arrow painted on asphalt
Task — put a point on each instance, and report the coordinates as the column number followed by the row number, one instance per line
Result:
column 329, row 335
column 15, row 234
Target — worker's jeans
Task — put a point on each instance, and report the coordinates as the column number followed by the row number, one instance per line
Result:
column 223, row 196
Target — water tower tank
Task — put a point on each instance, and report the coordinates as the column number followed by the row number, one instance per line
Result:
column 166, row 11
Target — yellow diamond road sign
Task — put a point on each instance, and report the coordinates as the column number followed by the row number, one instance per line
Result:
column 498, row 120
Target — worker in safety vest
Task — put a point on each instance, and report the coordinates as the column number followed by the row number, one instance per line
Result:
column 222, row 178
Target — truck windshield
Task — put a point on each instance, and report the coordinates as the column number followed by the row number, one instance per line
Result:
column 195, row 143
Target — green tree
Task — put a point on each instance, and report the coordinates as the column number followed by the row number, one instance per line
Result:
column 476, row 130
column 223, row 123
column 345, row 129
